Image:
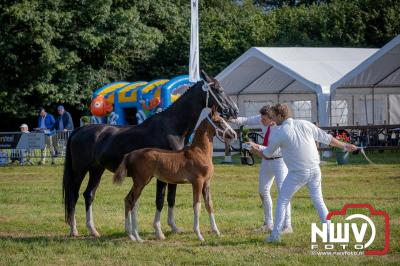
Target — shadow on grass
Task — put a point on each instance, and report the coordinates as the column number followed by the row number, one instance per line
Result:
column 187, row 238
column 114, row 237
column 52, row 239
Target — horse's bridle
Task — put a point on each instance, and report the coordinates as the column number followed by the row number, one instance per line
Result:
column 207, row 88
column 217, row 129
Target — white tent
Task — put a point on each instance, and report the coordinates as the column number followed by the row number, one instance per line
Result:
column 299, row 76
column 371, row 91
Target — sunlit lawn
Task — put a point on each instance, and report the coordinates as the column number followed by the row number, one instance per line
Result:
column 32, row 228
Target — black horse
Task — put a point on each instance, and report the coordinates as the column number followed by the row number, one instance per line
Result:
column 94, row 148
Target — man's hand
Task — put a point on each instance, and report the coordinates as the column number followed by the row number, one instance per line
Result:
column 252, row 145
column 350, row 147
column 341, row 145
column 255, row 149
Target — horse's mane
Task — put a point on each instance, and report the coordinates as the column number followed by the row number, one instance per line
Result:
column 183, row 96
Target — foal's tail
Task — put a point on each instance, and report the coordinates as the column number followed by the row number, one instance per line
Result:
column 121, row 171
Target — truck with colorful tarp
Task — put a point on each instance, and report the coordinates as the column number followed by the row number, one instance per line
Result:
column 126, row 99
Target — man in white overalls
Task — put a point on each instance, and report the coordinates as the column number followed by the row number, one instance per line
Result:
column 272, row 166
column 296, row 139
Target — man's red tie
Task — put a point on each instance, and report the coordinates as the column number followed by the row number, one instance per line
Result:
column 265, row 143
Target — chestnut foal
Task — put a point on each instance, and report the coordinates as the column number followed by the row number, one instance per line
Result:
column 190, row 165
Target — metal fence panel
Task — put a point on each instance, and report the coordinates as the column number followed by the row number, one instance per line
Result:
column 31, row 148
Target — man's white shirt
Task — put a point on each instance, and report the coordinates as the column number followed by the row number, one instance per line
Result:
column 296, row 139
column 256, row 121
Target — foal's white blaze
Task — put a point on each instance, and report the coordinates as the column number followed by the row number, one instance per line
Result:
column 157, row 226
column 171, row 220
column 196, row 226
column 89, row 222
column 214, row 227
column 135, row 227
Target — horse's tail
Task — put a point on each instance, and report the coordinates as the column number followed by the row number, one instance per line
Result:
column 121, row 171
column 70, row 195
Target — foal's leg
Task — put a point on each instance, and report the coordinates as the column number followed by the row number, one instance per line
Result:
column 197, row 188
column 137, row 190
column 131, row 204
column 209, row 207
column 95, row 174
column 128, row 216
column 171, row 203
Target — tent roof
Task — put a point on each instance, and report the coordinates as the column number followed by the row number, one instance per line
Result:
column 263, row 70
column 380, row 70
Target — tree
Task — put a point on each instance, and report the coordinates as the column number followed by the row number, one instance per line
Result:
column 59, row 51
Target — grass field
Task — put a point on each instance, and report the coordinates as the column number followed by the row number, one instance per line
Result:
column 32, row 228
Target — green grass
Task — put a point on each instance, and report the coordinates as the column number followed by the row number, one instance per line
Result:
column 32, row 228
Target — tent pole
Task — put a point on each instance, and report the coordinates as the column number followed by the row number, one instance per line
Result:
column 323, row 108
column 388, row 108
column 373, row 105
column 330, row 109
column 237, row 101
column 366, row 109
column 352, row 108
column 316, row 97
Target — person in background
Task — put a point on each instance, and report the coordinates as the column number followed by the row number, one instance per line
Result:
column 24, row 128
column 46, row 123
column 271, row 168
column 64, row 125
column 64, row 120
column 19, row 154
column 24, row 152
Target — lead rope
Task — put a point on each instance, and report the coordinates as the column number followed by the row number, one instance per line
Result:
column 365, row 156
column 361, row 149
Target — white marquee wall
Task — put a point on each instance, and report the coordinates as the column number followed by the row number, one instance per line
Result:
column 364, row 107
column 304, row 106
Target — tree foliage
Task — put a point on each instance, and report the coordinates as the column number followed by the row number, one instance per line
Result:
column 59, row 51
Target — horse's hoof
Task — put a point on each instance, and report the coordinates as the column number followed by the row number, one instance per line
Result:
column 176, row 230
column 137, row 237
column 74, row 234
column 131, row 237
column 199, row 237
column 160, row 236
column 95, row 233
column 216, row 232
